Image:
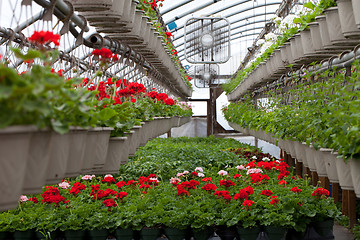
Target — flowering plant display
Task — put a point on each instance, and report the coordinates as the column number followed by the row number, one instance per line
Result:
column 324, row 113
column 111, row 202
column 151, row 10
column 289, row 26
column 43, row 97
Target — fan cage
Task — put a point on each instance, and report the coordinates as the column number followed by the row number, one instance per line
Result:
column 198, row 29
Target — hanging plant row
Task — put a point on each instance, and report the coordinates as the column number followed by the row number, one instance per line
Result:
column 322, row 112
column 252, row 192
column 56, row 127
column 146, row 36
column 302, row 41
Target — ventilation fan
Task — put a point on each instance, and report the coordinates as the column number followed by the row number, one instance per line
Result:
column 206, row 76
column 207, row 40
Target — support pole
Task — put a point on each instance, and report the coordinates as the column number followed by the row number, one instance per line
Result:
column 315, row 178
column 335, row 192
column 299, row 168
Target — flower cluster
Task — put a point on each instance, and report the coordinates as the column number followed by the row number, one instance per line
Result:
column 76, row 188
column 320, row 193
column 44, row 38
column 52, row 195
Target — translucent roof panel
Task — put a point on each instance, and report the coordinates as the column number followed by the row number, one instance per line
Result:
column 247, row 19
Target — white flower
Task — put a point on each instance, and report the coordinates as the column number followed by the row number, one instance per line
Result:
column 266, row 159
column 223, row 173
column 88, row 177
column 270, row 37
column 108, row 175
column 240, row 167
column 201, row 175
column 254, row 157
column 260, row 42
column 254, row 170
column 64, row 185
column 199, row 169
column 23, row 198
column 180, row 174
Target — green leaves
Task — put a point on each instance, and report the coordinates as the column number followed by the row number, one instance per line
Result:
column 309, row 5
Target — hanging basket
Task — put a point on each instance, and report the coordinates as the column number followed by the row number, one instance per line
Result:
column 59, row 155
column 117, row 154
column 344, row 173
column 355, row 174
column 316, row 37
column 320, row 163
column 347, row 19
column 330, row 165
column 14, row 148
column 90, row 150
column 38, row 160
column 102, row 145
column 335, row 32
column 310, row 152
column 76, row 152
column 356, row 11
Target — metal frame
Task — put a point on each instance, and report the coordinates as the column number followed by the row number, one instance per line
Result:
column 228, row 36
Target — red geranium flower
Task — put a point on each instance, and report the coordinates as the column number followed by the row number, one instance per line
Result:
column 121, row 195
column 248, row 203
column 207, row 179
column 168, row 34
column 104, row 53
column 209, row 187
column 274, row 200
column 321, row 193
column 109, row 203
column 45, row 37
column 121, row 184
column 33, row 199
column 226, row 183
column 243, row 194
column 266, row 193
column 108, row 179
column 296, row 190
column 237, row 176
column 224, row 194
column 181, row 191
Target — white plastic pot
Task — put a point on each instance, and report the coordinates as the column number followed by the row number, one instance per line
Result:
column 344, row 173
column 38, row 160
column 117, row 154
column 347, row 19
column 14, row 148
column 356, row 11
column 330, row 164
column 355, row 174
column 59, row 154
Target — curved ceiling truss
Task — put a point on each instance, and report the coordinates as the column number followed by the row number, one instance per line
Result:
column 247, row 17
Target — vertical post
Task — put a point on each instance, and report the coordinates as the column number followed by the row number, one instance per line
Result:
column 256, row 142
column 352, row 209
column 299, row 168
column 324, row 182
column 345, row 202
column 335, row 192
column 315, row 178
column 169, row 134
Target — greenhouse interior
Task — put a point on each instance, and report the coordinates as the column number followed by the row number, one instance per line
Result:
column 180, row 120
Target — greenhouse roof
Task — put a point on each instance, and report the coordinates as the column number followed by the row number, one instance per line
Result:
column 247, row 19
